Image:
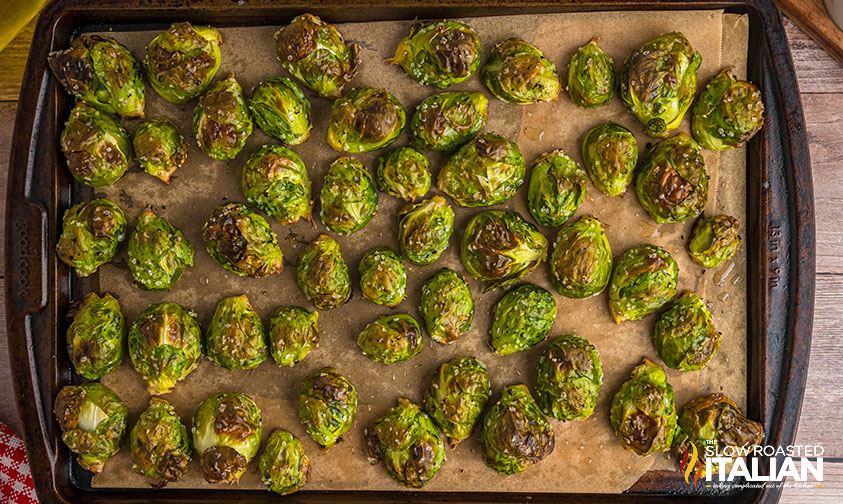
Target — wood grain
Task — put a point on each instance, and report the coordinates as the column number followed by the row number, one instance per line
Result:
column 13, row 62
column 818, row 72
column 812, row 17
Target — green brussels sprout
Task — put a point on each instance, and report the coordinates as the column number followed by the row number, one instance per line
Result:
column 484, row 172
column 236, row 338
column 518, row 72
column 366, row 119
column 241, row 241
column 284, row 466
column 383, row 277
column 391, row 339
column 181, row 61
column 349, row 198
column 445, row 121
column 658, row 82
column 403, row 173
column 221, row 120
column 101, row 72
column 327, row 406
column 591, row 76
column 226, row 435
column 685, row 336
column 457, row 396
column 514, row 433
column 557, row 187
column 568, row 378
column 447, row 306
column 158, row 252
column 322, row 274
column 499, row 247
column 95, row 336
column 275, row 181
column 91, row 233
column 160, row 148
column 97, row 148
column 280, row 110
column 728, row 112
column 644, row 279
column 610, row 153
column 672, row 183
column 522, row 319
column 424, row 230
column 293, row 333
column 581, row 263
column 159, row 443
column 165, row 344
column 409, row 444
column 315, row 53
column 643, row 412
column 714, row 240
column 93, row 423
column 439, row 53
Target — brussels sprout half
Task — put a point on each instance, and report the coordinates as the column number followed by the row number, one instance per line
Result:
column 557, row 187
column 383, row 277
column 685, row 336
column 91, row 233
column 327, row 406
column 391, row 339
column 610, row 153
column 457, row 395
column 644, row 279
column 581, row 263
column 349, row 198
column 404, row 173
column 366, row 119
column 95, row 336
column 439, row 53
column 158, row 252
column 160, row 444
column 241, row 241
column 160, row 148
column 445, row 121
column 96, row 147
column 236, row 338
column 728, row 112
column 714, row 240
column 181, row 61
column 221, row 120
column 518, row 72
column 484, row 172
column 322, row 274
column 591, row 76
column 447, row 306
column 522, row 319
column 226, row 435
column 424, row 230
column 568, row 378
column 284, row 466
column 293, row 333
column 275, row 181
column 280, row 110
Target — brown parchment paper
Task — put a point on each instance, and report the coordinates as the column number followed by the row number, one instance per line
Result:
column 587, row 456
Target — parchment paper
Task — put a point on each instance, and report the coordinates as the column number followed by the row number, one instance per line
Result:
column 587, row 456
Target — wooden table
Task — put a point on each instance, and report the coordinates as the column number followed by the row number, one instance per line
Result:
column 821, row 85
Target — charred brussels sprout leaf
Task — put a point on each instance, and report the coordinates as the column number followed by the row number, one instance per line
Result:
column 284, row 466
column 275, row 181
column 685, row 336
column 221, row 121
column 457, row 396
column 409, row 444
column 366, row 119
column 484, row 172
column 445, row 121
column 159, row 443
column 327, row 406
column 672, row 183
column 424, row 229
column 165, row 344
column 591, row 76
column 518, row 72
column 97, row 148
column 447, row 306
column 610, row 154
column 568, row 378
column 391, row 339
column 403, row 173
column 522, row 319
column 323, row 275
column 515, row 433
column 643, row 412
column 95, row 336
column 281, row 111
column 160, row 148
column 581, row 263
column 235, row 337
column 226, row 435
column 557, row 187
column 91, row 233
column 182, row 61
column 714, row 240
column 293, row 333
column 349, row 198
column 158, row 252
column 241, row 241
column 93, row 423
column 728, row 112
column 383, row 277
column 440, row 53
column 644, row 279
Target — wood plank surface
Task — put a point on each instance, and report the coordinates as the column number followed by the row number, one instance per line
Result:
column 813, row 18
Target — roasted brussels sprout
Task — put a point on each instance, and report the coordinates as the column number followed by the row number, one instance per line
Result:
column 439, row 53
column 160, row 148
column 182, row 61
column 643, row 412
column 101, row 72
column 235, row 337
column 91, row 233
column 568, row 378
column 159, row 443
column 315, row 53
column 457, row 396
column 366, row 119
column 93, row 423
column 323, row 275
column 391, row 339
column 658, row 82
column 499, row 247
column 484, row 172
column 158, row 252
column 226, row 434
column 293, row 333
column 445, row 121
column 275, row 181
column 728, row 112
column 284, row 466
column 349, row 198
column 714, row 240
column 383, row 277
column 95, row 336
column 221, row 120
column 644, row 279
column 581, row 263
column 408, row 443
column 672, row 183
column 281, row 111
column 515, row 433
column 447, row 306
column 403, row 173
column 522, row 319
column 518, row 72
column 165, row 344
column 327, row 406
column 424, row 230
column 97, row 148
column 591, row 76
column 557, row 187
column 684, row 335
column 610, row 153
column 241, row 241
